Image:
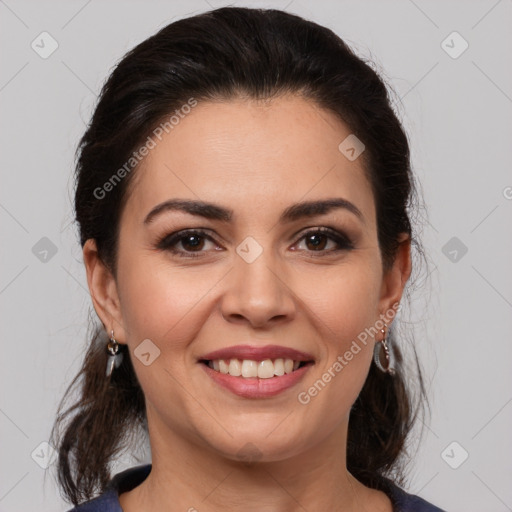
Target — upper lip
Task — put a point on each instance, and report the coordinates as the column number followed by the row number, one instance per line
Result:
column 257, row 353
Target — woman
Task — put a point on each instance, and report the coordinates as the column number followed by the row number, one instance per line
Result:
column 242, row 197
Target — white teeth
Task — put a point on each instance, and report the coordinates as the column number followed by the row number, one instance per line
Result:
column 235, row 368
column 223, row 366
column 279, row 367
column 249, row 368
column 266, row 369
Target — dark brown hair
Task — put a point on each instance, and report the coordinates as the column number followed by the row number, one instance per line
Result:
column 218, row 55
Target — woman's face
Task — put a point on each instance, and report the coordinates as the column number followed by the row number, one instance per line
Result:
column 258, row 282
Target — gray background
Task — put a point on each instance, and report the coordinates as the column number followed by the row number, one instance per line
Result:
column 457, row 112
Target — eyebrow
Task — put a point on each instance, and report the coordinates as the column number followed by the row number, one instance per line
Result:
column 216, row 212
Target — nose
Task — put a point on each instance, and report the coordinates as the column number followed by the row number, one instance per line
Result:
column 257, row 293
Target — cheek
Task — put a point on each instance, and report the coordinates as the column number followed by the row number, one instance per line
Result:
column 346, row 311
column 158, row 301
column 163, row 302
column 348, row 300
column 168, row 306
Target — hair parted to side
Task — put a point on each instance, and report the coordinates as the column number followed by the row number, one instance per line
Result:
column 220, row 55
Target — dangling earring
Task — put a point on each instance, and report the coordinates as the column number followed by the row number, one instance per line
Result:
column 114, row 358
column 382, row 348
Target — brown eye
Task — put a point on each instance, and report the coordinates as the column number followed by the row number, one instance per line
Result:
column 191, row 243
column 194, row 242
column 318, row 240
column 187, row 244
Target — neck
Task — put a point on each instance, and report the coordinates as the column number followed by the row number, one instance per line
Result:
column 188, row 477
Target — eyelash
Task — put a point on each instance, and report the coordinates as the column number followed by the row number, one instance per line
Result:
column 168, row 242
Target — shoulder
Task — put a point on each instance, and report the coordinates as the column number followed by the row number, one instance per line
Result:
column 108, row 501
column 405, row 502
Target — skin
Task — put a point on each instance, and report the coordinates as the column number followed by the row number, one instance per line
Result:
column 256, row 158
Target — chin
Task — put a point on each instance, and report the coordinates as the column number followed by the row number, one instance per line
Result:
column 259, row 445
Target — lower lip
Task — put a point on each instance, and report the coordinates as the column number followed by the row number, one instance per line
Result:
column 255, row 387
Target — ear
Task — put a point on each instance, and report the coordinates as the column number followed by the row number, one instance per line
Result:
column 103, row 290
column 395, row 278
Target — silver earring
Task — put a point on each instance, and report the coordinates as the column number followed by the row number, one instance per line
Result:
column 115, row 357
column 382, row 349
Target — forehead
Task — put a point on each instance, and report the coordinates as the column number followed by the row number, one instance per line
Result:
column 252, row 154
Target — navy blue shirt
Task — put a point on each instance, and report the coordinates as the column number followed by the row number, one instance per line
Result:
column 131, row 478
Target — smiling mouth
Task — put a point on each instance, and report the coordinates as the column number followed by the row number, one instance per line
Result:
column 249, row 368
